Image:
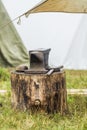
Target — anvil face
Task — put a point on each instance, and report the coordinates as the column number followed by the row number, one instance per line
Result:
column 39, row 59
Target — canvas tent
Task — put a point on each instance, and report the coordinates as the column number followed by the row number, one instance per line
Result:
column 12, row 50
column 60, row 6
column 58, row 31
column 77, row 54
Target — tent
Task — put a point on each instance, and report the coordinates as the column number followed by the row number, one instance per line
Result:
column 77, row 54
column 60, row 6
column 12, row 50
column 58, row 31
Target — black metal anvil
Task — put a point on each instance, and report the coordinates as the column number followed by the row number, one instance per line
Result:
column 39, row 63
column 39, row 59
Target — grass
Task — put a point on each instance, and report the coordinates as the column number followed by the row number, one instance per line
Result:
column 76, row 79
column 4, row 74
column 24, row 120
column 4, row 79
column 18, row 120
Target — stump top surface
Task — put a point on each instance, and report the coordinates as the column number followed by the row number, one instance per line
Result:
column 40, row 50
column 37, row 74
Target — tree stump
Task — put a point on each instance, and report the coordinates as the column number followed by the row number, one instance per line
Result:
column 39, row 92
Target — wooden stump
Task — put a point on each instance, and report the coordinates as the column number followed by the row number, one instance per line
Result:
column 39, row 92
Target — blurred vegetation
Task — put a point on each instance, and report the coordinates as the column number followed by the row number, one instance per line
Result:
column 4, row 74
column 5, row 78
column 76, row 79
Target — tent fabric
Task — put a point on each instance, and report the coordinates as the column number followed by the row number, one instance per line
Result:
column 77, row 54
column 78, row 6
column 12, row 50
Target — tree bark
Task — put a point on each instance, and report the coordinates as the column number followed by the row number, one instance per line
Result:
column 39, row 92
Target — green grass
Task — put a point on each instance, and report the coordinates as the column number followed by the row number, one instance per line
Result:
column 4, row 74
column 18, row 120
column 76, row 119
column 5, row 79
column 76, row 79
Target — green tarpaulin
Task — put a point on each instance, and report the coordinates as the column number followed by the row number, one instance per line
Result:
column 12, row 50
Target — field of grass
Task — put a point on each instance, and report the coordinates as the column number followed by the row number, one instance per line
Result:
column 76, row 79
column 75, row 119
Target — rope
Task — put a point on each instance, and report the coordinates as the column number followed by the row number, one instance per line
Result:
column 4, row 25
column 26, row 14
